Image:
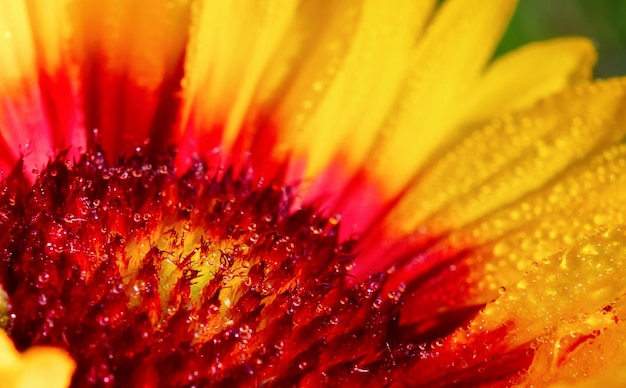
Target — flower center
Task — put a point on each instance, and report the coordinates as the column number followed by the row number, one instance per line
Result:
column 149, row 277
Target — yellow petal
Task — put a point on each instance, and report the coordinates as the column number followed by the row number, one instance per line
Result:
column 17, row 49
column 32, row 56
column 346, row 87
column 58, row 76
column 51, row 30
column 230, row 49
column 37, row 367
column 10, row 362
column 571, row 295
column 512, row 156
column 46, row 367
column 586, row 351
column 501, row 247
column 521, row 78
column 447, row 61
column 23, row 124
column 562, row 319
column 611, row 377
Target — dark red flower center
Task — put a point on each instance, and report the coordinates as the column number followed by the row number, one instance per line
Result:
column 149, row 278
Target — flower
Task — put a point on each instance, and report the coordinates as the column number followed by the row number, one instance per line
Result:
column 318, row 193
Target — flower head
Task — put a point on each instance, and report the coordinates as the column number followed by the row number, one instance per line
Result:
column 305, row 193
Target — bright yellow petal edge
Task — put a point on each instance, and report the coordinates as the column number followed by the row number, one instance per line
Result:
column 37, row 367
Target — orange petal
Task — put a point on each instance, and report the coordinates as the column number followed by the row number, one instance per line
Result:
column 130, row 58
column 23, row 124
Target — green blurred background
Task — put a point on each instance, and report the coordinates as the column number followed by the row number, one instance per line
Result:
column 603, row 21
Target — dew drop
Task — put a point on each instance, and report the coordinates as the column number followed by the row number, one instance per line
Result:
column 69, row 218
column 372, row 288
column 213, row 255
column 245, row 332
column 393, row 295
column 103, row 320
column 139, row 286
column 335, row 219
column 267, row 288
column 315, row 229
column 43, row 278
